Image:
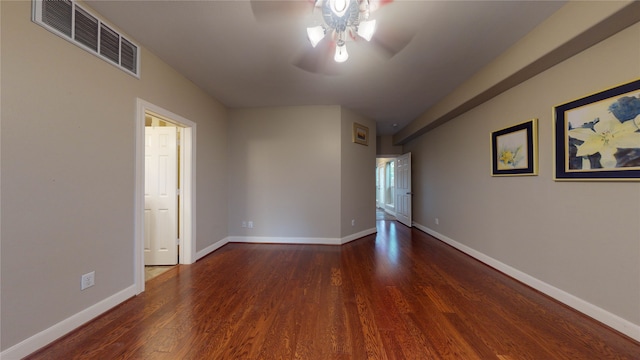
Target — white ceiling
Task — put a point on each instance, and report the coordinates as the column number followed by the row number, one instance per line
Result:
column 244, row 61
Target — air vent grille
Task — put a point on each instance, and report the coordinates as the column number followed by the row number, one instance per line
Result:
column 109, row 43
column 70, row 21
column 86, row 27
column 128, row 54
column 58, row 15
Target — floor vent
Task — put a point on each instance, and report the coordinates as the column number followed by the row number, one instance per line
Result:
column 68, row 20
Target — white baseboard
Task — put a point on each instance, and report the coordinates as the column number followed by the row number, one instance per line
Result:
column 358, row 235
column 622, row 325
column 301, row 240
column 67, row 325
column 211, row 248
column 284, row 240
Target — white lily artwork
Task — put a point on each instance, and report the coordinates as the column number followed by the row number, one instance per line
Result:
column 514, row 150
column 598, row 137
column 606, row 138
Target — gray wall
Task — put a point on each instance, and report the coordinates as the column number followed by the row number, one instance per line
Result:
column 295, row 173
column 68, row 125
column 285, row 172
column 581, row 238
column 385, row 147
column 358, row 181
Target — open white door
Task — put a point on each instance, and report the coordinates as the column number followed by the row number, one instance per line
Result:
column 403, row 189
column 160, row 196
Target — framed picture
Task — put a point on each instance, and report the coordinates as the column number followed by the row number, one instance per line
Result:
column 514, row 150
column 360, row 134
column 597, row 137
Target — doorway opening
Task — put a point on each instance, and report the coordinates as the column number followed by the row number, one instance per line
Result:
column 165, row 190
column 162, row 225
column 393, row 189
column 385, row 188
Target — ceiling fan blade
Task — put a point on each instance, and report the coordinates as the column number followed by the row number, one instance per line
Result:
column 376, row 4
column 318, row 60
column 392, row 40
column 264, row 10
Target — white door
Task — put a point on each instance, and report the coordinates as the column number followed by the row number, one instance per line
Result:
column 160, row 196
column 403, row 189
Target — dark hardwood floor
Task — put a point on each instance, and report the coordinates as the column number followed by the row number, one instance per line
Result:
column 398, row 295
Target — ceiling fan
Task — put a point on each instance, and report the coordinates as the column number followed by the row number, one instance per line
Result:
column 342, row 21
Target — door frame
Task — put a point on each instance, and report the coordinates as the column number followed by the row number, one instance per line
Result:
column 187, row 203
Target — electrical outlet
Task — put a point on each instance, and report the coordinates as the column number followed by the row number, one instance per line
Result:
column 437, row 221
column 88, row 280
column 250, row 224
column 244, row 224
column 353, row 222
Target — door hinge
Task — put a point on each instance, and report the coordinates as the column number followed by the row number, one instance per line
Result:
column 178, row 192
column 177, row 241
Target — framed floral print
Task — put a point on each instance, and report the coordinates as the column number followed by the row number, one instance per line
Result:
column 597, row 137
column 514, row 150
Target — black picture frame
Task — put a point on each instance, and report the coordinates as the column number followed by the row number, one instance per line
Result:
column 597, row 137
column 514, row 150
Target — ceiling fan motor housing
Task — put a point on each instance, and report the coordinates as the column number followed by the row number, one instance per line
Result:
column 341, row 14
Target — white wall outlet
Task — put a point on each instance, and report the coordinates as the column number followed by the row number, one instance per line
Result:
column 437, row 221
column 250, row 224
column 88, row 280
column 244, row 224
column 353, row 222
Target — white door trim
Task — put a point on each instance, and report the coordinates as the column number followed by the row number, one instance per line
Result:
column 188, row 191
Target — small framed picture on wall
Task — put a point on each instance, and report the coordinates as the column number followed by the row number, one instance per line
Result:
column 514, row 150
column 360, row 134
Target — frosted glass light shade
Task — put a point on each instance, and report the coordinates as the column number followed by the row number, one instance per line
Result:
column 315, row 34
column 366, row 29
column 341, row 54
column 339, row 7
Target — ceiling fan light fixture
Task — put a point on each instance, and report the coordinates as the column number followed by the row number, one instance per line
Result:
column 366, row 29
column 339, row 7
column 343, row 20
column 341, row 52
column 315, row 34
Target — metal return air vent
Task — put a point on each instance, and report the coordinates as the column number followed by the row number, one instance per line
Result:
column 68, row 20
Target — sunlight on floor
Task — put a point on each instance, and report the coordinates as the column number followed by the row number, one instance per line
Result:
column 152, row 271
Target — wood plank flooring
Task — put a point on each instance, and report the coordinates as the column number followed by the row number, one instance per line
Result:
column 399, row 294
